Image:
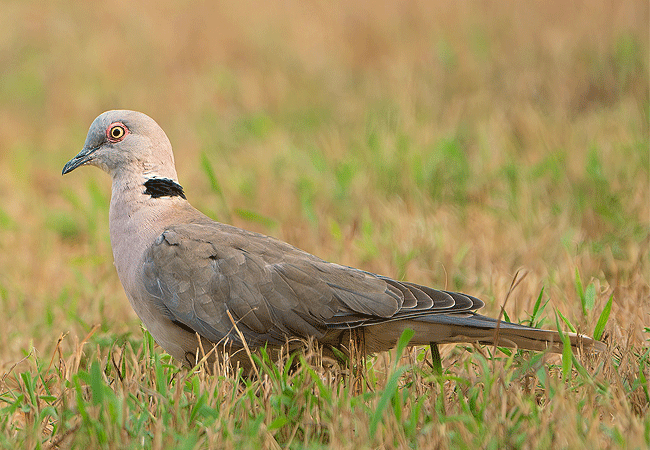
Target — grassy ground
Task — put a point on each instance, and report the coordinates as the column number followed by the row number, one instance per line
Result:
column 447, row 143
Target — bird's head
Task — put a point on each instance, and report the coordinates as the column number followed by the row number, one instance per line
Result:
column 124, row 143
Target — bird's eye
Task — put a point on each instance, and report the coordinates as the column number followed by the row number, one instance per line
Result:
column 116, row 132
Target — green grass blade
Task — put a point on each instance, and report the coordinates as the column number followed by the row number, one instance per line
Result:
column 391, row 387
column 209, row 172
column 566, row 350
column 255, row 217
column 96, row 383
column 566, row 321
column 403, row 341
column 602, row 320
column 538, row 303
column 580, row 291
column 386, row 396
column 590, row 297
column 214, row 183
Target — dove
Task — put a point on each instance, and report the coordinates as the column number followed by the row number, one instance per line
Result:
column 190, row 278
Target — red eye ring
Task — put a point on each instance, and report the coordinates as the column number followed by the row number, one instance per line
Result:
column 116, row 132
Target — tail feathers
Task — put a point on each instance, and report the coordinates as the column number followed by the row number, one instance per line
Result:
column 478, row 328
column 447, row 329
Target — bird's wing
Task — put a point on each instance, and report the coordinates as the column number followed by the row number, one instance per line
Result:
column 202, row 274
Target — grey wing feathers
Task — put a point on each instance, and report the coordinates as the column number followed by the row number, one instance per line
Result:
column 199, row 271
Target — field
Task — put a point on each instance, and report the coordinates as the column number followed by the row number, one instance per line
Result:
column 452, row 144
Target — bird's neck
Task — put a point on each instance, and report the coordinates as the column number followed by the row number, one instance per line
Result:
column 140, row 211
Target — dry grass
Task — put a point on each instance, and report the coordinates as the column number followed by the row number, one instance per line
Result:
column 448, row 143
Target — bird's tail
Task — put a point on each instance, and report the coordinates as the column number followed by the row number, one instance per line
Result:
column 485, row 330
column 447, row 329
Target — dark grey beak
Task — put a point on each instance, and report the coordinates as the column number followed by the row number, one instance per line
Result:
column 82, row 158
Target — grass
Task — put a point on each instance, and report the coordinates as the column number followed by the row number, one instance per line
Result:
column 428, row 141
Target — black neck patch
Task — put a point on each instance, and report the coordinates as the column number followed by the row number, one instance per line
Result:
column 163, row 187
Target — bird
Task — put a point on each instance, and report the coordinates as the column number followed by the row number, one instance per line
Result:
column 195, row 282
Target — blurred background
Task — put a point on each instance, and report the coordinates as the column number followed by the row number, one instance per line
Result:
column 448, row 143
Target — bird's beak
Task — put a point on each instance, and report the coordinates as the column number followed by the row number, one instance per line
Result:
column 84, row 156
